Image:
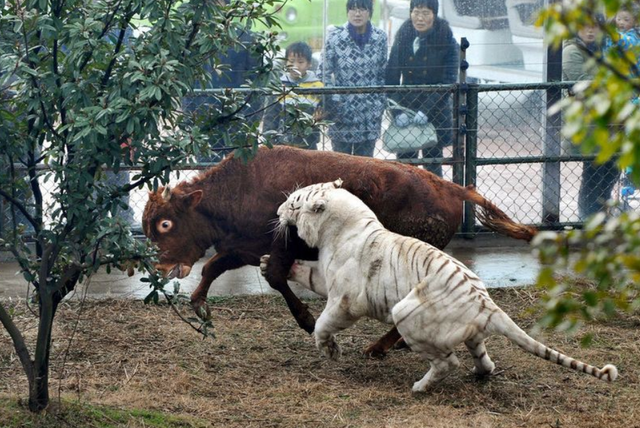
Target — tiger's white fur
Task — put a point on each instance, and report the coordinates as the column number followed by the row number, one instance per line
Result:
column 434, row 300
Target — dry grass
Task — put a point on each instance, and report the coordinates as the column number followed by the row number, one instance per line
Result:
column 263, row 371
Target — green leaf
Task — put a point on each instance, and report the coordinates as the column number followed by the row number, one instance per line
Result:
column 591, row 298
column 153, row 295
column 586, row 340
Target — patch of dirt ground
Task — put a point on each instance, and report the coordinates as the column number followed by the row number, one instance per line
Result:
column 261, row 370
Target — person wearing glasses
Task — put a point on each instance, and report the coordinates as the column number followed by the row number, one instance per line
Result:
column 355, row 55
column 424, row 52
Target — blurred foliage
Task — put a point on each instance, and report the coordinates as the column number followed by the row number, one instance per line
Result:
column 608, row 100
column 606, row 253
column 602, row 118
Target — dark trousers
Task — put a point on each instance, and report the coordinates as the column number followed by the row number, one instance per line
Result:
column 197, row 108
column 597, row 183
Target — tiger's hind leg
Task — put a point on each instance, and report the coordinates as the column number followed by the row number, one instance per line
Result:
column 483, row 364
column 441, row 366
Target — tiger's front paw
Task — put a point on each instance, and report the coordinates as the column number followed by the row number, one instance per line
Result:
column 419, row 387
column 486, row 370
column 264, row 264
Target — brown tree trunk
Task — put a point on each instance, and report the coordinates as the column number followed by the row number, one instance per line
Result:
column 39, row 388
column 18, row 343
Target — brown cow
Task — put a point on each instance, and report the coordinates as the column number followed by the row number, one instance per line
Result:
column 233, row 205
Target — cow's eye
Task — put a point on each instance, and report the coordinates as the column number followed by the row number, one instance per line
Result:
column 165, row 226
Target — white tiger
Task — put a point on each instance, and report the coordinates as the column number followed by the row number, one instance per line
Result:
column 434, row 300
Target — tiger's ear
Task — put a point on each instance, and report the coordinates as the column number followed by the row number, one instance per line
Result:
column 319, row 206
column 338, row 183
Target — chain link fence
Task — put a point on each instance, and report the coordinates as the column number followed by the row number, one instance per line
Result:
column 497, row 137
column 516, row 156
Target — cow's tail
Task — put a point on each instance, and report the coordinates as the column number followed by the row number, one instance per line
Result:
column 495, row 219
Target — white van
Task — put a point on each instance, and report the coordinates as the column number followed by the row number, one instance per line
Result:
column 505, row 46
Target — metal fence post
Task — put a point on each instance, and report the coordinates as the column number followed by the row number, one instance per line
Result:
column 471, row 153
column 551, row 172
column 460, row 107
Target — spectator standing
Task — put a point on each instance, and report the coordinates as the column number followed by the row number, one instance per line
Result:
column 597, row 179
column 242, row 68
column 298, row 74
column 628, row 40
column 628, row 37
column 425, row 53
column 121, row 177
column 355, row 55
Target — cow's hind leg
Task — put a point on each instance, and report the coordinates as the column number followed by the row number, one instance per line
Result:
column 483, row 364
column 379, row 348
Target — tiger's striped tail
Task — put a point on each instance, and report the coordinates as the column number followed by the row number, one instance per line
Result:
column 507, row 327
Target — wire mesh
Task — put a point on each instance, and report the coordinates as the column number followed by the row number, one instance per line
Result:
column 505, row 145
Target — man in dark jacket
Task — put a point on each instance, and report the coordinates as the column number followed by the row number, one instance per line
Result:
column 242, row 67
column 598, row 179
column 424, row 52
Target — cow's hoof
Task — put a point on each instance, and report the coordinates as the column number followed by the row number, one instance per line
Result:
column 375, row 351
column 201, row 308
column 401, row 344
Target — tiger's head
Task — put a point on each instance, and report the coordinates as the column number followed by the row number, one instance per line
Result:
column 304, row 202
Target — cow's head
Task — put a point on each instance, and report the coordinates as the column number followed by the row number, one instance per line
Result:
column 171, row 220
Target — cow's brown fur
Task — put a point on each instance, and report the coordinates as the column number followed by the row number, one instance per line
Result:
column 232, row 206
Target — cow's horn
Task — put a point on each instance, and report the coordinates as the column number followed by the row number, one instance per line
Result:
column 166, row 194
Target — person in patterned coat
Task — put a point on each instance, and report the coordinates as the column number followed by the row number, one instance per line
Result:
column 355, row 55
column 425, row 52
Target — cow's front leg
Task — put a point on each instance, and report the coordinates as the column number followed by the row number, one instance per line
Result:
column 215, row 266
column 276, row 272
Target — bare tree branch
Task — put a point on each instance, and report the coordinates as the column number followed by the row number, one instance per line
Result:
column 18, row 343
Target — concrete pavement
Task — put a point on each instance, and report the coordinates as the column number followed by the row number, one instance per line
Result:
column 499, row 261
